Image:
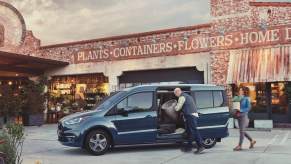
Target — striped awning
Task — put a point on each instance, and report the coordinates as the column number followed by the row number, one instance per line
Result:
column 260, row 65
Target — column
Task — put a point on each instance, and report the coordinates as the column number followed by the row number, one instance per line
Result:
column 206, row 71
column 113, row 83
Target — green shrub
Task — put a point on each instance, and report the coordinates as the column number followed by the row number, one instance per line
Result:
column 13, row 135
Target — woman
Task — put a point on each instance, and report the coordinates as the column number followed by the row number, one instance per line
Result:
column 243, row 120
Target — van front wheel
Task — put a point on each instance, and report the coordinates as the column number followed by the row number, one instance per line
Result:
column 97, row 142
column 209, row 143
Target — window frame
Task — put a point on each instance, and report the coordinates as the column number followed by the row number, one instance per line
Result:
column 126, row 97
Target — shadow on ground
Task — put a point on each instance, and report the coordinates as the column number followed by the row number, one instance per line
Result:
column 120, row 150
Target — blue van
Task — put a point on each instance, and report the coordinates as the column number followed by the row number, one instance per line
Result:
column 134, row 116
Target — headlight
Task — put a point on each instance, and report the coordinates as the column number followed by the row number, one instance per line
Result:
column 74, row 121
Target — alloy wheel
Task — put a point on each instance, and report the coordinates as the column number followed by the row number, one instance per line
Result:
column 98, row 142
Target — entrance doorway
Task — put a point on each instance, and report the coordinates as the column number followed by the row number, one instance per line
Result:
column 270, row 101
column 280, row 102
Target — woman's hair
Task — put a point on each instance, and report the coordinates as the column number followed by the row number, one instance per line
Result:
column 246, row 91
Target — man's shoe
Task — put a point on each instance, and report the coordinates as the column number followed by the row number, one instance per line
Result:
column 185, row 135
column 199, row 150
column 186, row 149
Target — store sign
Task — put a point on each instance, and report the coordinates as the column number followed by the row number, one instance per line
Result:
column 190, row 44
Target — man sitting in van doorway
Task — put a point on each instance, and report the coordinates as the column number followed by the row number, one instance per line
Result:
column 187, row 104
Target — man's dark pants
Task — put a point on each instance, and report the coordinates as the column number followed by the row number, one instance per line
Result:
column 191, row 124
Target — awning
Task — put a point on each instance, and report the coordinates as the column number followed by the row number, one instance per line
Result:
column 12, row 64
column 259, row 65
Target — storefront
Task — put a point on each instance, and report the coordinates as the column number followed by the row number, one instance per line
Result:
column 246, row 43
column 266, row 72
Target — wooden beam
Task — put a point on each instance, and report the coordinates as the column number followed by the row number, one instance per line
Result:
column 11, row 68
column 32, row 59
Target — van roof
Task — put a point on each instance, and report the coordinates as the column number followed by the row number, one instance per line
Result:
column 152, row 87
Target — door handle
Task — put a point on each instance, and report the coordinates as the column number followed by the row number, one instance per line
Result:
column 148, row 116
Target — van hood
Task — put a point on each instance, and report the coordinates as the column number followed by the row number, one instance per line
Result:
column 80, row 114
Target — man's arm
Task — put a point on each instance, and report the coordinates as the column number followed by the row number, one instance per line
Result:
column 180, row 103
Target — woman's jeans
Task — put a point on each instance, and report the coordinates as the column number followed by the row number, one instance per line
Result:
column 192, row 131
column 243, row 123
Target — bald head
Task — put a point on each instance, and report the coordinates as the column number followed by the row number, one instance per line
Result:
column 178, row 92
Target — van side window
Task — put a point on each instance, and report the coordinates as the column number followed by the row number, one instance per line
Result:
column 218, row 99
column 204, row 99
column 122, row 104
column 139, row 102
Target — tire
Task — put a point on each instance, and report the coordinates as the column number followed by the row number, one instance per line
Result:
column 209, row 143
column 97, row 142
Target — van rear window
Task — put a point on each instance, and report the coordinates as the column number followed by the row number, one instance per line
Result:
column 218, row 99
column 209, row 99
column 204, row 99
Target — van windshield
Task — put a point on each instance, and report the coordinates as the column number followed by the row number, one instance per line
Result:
column 109, row 99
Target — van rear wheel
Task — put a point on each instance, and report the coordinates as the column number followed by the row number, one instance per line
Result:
column 209, row 143
column 97, row 142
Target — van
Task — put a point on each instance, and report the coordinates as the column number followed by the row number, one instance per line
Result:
column 136, row 116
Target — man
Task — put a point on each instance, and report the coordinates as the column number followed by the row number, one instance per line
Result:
column 187, row 105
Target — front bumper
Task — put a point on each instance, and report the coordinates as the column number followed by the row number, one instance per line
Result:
column 68, row 137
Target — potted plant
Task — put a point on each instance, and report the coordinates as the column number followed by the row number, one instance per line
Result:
column 35, row 102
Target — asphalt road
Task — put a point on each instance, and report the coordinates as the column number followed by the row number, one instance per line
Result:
column 273, row 147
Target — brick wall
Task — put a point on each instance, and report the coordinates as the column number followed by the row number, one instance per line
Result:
column 219, row 64
column 239, row 15
column 229, row 7
column 271, row 15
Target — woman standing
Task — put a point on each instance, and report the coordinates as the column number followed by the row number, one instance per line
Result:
column 243, row 120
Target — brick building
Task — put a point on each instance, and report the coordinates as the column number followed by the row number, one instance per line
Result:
column 246, row 43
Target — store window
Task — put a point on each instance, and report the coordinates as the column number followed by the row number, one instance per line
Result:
column 139, row 102
column 75, row 93
column 258, row 97
column 279, row 98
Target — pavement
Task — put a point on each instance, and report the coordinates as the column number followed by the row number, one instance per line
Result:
column 273, row 147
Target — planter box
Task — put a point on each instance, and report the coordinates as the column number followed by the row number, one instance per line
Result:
column 264, row 124
column 33, row 119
